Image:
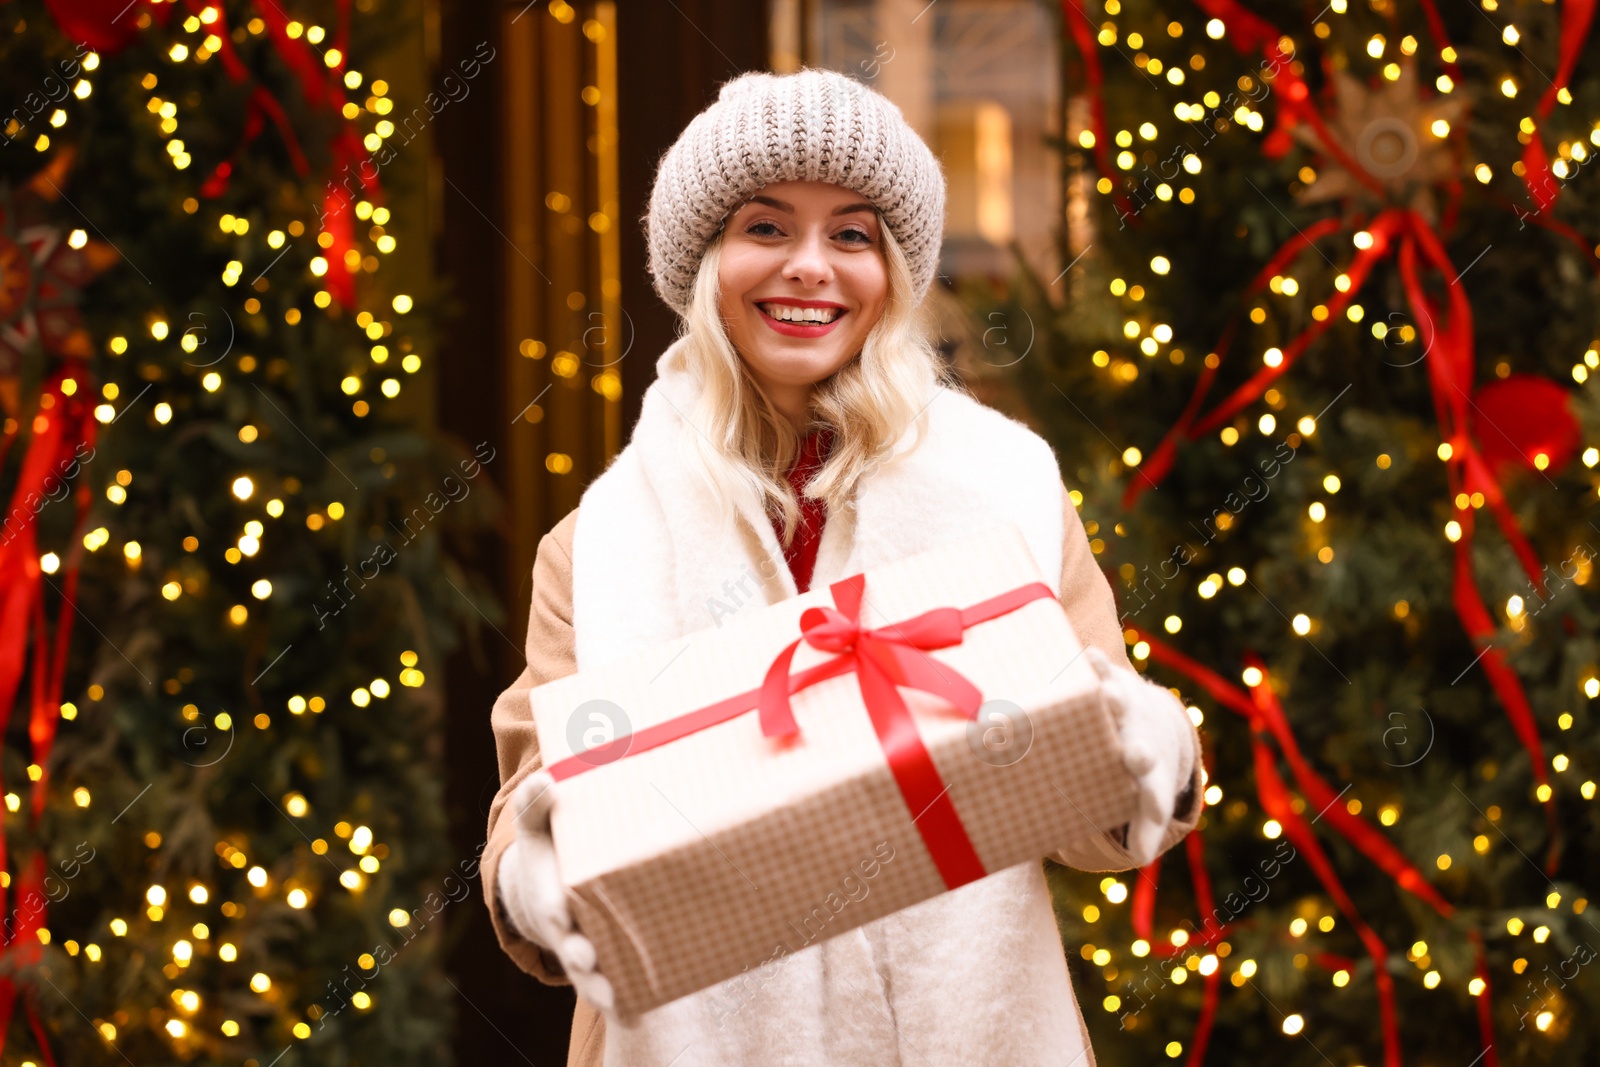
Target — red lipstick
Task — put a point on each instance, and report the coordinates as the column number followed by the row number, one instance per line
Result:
column 798, row 329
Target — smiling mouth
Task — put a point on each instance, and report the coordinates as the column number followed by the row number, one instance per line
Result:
column 801, row 316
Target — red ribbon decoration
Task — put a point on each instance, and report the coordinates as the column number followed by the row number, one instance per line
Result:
column 1447, row 346
column 1142, row 909
column 1083, row 35
column 320, row 91
column 1248, row 32
column 1266, row 717
column 1576, row 18
column 883, row 658
column 262, row 105
column 62, row 421
column 1194, row 849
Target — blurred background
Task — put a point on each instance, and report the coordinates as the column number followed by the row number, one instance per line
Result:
column 316, row 315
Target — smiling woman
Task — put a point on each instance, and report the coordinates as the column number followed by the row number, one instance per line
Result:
column 795, row 228
column 802, row 279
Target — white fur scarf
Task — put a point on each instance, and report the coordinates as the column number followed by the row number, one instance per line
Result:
column 651, row 563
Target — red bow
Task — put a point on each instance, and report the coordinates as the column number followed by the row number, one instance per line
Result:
column 884, row 658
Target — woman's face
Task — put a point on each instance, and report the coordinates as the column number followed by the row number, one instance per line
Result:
column 803, row 280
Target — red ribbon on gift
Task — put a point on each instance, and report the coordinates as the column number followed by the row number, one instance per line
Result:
column 883, row 659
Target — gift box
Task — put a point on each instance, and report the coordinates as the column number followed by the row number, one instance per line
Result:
column 808, row 766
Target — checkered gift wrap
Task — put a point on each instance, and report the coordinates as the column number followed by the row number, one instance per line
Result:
column 689, row 863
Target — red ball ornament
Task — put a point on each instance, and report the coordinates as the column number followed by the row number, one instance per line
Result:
column 1523, row 417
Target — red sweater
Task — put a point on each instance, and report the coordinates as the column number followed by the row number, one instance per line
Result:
column 801, row 555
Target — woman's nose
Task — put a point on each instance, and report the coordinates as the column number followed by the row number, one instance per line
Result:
column 808, row 261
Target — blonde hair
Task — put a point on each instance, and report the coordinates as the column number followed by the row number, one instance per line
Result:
column 743, row 446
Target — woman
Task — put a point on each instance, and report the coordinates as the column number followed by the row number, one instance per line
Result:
column 802, row 414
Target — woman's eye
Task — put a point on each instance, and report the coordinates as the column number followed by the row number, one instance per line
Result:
column 856, row 236
column 762, row 229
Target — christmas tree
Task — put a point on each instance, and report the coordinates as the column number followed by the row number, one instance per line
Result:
column 225, row 591
column 1320, row 370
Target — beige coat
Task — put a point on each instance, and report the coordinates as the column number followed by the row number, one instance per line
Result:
column 1085, row 594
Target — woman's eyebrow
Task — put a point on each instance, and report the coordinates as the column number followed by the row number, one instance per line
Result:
column 782, row 205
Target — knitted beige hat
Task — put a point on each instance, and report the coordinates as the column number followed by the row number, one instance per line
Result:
column 812, row 125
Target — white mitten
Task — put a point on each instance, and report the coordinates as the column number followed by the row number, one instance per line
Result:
column 1156, row 750
column 534, row 897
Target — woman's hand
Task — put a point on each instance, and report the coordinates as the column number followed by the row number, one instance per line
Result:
column 534, row 897
column 1156, row 750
